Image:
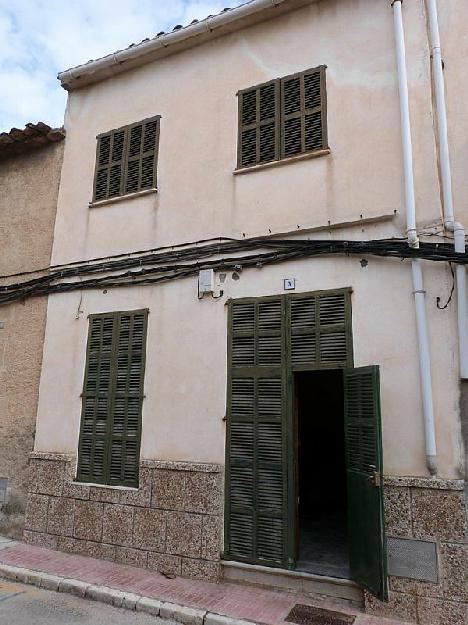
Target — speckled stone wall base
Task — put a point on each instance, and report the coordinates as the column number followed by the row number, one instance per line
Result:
column 432, row 510
column 172, row 523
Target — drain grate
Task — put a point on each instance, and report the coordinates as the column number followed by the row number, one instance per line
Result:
column 310, row 615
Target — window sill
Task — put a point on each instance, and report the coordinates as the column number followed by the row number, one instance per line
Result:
column 105, row 486
column 284, row 161
column 121, row 198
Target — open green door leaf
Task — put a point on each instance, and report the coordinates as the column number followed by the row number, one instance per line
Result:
column 367, row 548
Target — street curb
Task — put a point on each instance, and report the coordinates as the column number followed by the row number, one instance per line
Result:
column 118, row 598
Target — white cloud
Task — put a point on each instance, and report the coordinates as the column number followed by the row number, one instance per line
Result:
column 39, row 38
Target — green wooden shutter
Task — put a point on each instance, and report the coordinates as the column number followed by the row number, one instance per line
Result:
column 256, row 477
column 110, row 433
column 141, row 156
column 108, row 180
column 303, row 113
column 320, row 330
column 367, row 547
column 259, row 125
column 126, row 160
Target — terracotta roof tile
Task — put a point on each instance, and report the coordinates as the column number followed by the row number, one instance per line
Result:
column 19, row 141
column 160, row 34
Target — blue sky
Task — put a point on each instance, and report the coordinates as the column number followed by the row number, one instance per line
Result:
column 39, row 38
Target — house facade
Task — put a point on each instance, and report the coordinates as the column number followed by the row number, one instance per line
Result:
column 30, row 164
column 243, row 374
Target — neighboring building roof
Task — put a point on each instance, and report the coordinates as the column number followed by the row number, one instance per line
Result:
column 180, row 38
column 31, row 137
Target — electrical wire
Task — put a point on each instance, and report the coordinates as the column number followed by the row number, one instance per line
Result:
column 177, row 262
column 451, row 292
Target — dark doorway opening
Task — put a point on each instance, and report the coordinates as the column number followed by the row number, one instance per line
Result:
column 321, row 544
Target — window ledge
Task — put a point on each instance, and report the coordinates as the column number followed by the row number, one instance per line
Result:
column 122, row 198
column 284, row 161
column 104, row 486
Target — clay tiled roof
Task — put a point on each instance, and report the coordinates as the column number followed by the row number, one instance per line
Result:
column 29, row 138
column 158, row 36
column 179, row 38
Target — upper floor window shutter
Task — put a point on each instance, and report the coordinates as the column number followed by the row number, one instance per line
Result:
column 259, row 125
column 141, row 156
column 109, row 166
column 110, row 433
column 303, row 113
column 126, row 160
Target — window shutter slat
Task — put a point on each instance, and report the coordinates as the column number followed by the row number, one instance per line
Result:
column 112, row 399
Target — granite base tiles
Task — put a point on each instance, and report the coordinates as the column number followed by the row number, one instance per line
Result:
column 441, row 612
column 36, row 513
column 399, row 605
column 88, row 520
column 438, row 515
column 118, row 525
column 168, row 489
column 184, row 534
column 87, row 548
column 140, row 496
column 203, row 493
column 126, row 525
column 47, row 477
column 60, row 515
column 106, row 495
column 149, row 529
column 201, row 569
column 212, row 538
column 40, row 539
column 187, row 491
column 165, row 564
column 397, row 505
column 454, row 571
column 132, row 557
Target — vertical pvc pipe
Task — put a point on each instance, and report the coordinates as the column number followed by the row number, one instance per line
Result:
column 406, row 141
column 446, row 183
column 416, row 267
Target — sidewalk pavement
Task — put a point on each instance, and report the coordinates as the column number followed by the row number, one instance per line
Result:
column 188, row 601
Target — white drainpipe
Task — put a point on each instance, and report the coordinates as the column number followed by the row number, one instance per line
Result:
column 413, row 241
column 446, row 179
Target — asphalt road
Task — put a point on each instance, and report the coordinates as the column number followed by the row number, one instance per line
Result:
column 28, row 605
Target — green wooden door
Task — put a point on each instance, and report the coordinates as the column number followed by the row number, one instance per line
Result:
column 367, row 549
column 256, row 475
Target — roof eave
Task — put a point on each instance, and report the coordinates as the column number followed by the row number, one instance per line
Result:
column 176, row 41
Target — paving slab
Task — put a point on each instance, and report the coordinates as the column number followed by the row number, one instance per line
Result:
column 192, row 602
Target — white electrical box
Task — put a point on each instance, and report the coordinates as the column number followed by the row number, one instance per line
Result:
column 206, row 281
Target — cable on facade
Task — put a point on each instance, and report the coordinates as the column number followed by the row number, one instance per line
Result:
column 165, row 264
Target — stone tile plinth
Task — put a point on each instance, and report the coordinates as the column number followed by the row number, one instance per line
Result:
column 433, row 510
column 172, row 523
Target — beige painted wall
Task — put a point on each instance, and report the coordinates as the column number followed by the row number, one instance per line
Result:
column 200, row 197
column 29, row 188
column 196, row 96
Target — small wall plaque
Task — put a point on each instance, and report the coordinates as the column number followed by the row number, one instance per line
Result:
column 2, row 325
column 289, row 284
column 415, row 559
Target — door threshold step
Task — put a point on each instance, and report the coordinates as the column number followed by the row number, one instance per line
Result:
column 296, row 581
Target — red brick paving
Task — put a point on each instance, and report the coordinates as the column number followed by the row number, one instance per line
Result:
column 255, row 604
